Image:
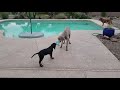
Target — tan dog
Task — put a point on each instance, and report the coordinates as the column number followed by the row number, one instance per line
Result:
column 65, row 36
column 106, row 20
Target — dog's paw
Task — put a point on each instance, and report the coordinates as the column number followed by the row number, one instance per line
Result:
column 66, row 50
column 52, row 58
column 60, row 47
column 41, row 65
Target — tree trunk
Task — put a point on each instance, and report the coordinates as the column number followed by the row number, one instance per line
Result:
column 31, row 25
column 30, row 22
column 27, row 14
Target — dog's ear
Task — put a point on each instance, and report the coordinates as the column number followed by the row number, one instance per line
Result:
column 53, row 45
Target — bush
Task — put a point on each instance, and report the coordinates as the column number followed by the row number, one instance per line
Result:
column 61, row 16
column 83, row 16
column 16, row 17
column 69, row 14
column 44, row 16
column 4, row 15
column 77, row 15
column 103, row 14
column 19, row 17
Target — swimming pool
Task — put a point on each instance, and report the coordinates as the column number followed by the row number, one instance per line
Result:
column 12, row 28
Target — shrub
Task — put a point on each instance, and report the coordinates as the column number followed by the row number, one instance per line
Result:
column 60, row 16
column 83, row 16
column 4, row 15
column 69, row 14
column 19, row 17
column 16, row 17
column 77, row 15
column 44, row 16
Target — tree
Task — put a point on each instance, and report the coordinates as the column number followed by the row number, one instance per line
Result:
column 29, row 15
column 34, row 14
column 30, row 21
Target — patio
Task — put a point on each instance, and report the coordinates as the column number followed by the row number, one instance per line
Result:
column 87, row 57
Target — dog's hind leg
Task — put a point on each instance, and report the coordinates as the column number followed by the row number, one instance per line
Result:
column 67, row 44
column 69, row 40
column 41, row 58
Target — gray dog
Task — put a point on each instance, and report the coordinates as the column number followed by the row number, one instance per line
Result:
column 65, row 36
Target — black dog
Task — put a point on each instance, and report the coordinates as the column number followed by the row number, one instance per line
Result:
column 44, row 52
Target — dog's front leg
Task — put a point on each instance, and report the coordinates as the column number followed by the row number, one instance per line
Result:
column 63, row 41
column 61, row 44
column 69, row 41
column 67, row 45
column 51, row 56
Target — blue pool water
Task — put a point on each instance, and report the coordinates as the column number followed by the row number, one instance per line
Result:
column 12, row 28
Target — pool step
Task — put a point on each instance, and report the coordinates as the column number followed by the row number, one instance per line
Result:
column 29, row 35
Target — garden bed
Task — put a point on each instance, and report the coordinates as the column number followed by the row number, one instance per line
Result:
column 114, row 47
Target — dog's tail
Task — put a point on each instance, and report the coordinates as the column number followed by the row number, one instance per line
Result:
column 34, row 55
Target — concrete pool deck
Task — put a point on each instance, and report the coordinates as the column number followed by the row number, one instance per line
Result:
column 87, row 58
